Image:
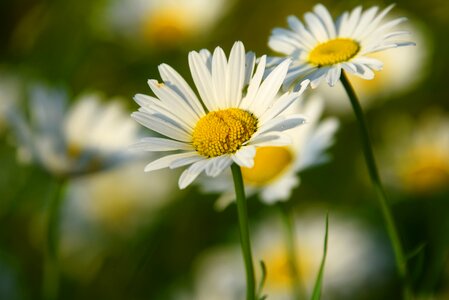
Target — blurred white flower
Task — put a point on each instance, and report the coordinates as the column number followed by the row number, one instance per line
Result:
column 91, row 136
column 415, row 157
column 274, row 174
column 165, row 22
column 403, row 69
column 353, row 260
column 108, row 208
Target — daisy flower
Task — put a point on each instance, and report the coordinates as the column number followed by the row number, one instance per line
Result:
column 274, row 174
column 165, row 22
column 322, row 48
column 393, row 81
column 238, row 112
column 219, row 272
column 416, row 154
column 89, row 137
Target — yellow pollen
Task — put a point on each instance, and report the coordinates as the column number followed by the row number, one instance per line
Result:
column 269, row 163
column 333, row 52
column 223, row 131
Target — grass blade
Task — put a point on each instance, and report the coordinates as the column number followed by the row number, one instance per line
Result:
column 319, row 280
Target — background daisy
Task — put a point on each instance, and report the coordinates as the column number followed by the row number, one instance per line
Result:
column 416, row 153
column 230, row 125
column 165, row 23
column 87, row 138
column 322, row 48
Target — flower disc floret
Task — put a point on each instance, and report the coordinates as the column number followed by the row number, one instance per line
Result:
column 223, row 131
column 333, row 52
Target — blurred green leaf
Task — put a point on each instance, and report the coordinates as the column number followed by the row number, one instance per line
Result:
column 262, row 281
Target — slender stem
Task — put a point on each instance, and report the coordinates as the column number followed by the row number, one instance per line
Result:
column 401, row 263
column 51, row 269
column 292, row 252
column 244, row 232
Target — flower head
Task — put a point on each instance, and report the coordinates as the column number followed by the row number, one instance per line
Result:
column 165, row 23
column 238, row 113
column 416, row 155
column 89, row 137
column 393, row 81
column 323, row 47
column 274, row 174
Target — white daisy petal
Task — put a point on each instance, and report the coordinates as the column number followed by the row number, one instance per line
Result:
column 333, row 75
column 373, row 63
column 321, row 139
column 206, row 56
column 235, row 74
column 281, row 123
column 283, row 103
column 217, row 165
column 164, row 162
column 271, row 139
column 326, row 18
column 377, row 20
column 189, row 175
column 245, row 156
column 284, row 41
column 250, row 62
column 184, row 161
column 160, row 144
column 203, row 81
column 254, row 84
column 316, row 77
column 219, row 77
column 353, row 20
column 365, row 20
column 365, row 73
column 316, row 26
column 279, row 106
column 294, row 73
column 305, row 36
column 178, row 84
column 161, row 126
column 269, row 88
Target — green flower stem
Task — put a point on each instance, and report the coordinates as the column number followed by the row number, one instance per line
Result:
column 401, row 263
column 244, row 231
column 51, row 269
column 292, row 252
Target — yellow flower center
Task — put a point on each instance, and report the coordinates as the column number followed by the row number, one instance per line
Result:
column 269, row 163
column 223, row 131
column 333, row 52
column 167, row 26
